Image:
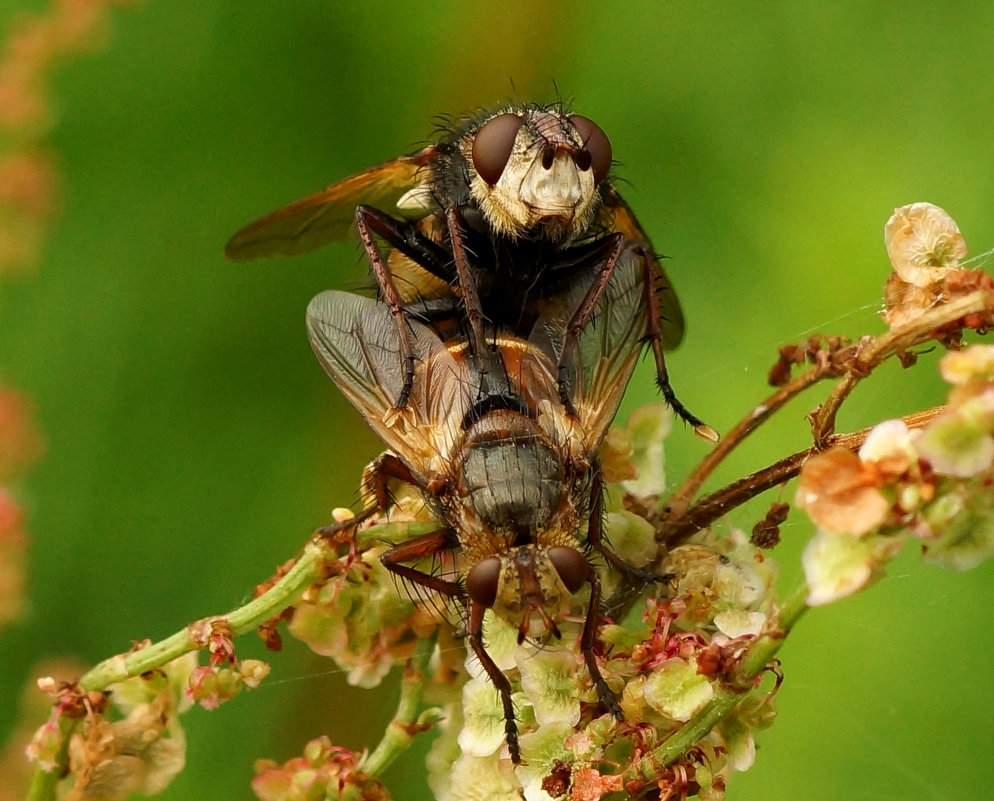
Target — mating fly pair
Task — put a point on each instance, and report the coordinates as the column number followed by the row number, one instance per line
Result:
column 516, row 300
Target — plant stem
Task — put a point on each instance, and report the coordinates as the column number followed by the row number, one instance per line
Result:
column 677, row 505
column 398, row 736
column 310, row 568
column 872, row 351
column 44, row 784
column 708, row 509
column 724, row 701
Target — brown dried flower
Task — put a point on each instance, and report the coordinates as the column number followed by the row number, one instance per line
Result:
column 841, row 493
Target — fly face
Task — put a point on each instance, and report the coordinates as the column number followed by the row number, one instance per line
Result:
column 537, row 170
column 527, row 191
column 530, row 587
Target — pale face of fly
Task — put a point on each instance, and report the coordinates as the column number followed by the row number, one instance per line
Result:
column 537, row 171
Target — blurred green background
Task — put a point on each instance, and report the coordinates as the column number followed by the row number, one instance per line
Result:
column 193, row 441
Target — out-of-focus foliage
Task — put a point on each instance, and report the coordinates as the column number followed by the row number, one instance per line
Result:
column 193, row 442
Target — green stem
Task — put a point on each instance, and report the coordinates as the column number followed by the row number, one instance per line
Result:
column 754, row 661
column 397, row 737
column 44, row 784
column 724, row 701
column 309, row 569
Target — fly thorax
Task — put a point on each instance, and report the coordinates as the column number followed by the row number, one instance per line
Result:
column 511, row 475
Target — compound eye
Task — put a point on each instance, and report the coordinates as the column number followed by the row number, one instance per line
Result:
column 571, row 566
column 596, row 153
column 493, row 145
column 481, row 583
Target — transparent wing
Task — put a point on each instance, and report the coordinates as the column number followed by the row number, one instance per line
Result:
column 621, row 218
column 357, row 342
column 609, row 346
column 328, row 215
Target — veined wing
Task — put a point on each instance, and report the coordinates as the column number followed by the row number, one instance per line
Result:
column 622, row 219
column 357, row 342
column 329, row 215
column 609, row 346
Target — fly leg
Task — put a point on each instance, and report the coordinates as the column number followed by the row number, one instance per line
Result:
column 375, row 486
column 467, row 283
column 417, row 247
column 612, row 249
column 426, row 546
column 595, row 536
column 403, row 236
column 612, row 246
column 588, row 638
column 653, row 335
column 488, row 362
column 364, row 220
column 438, row 542
column 498, row 678
column 430, row 544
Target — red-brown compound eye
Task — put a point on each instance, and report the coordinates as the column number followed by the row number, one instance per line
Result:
column 482, row 581
column 595, row 145
column 571, row 566
column 493, row 145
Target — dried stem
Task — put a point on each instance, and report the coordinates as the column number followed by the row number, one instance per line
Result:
column 680, row 501
column 710, row 508
column 872, row 351
column 681, row 518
